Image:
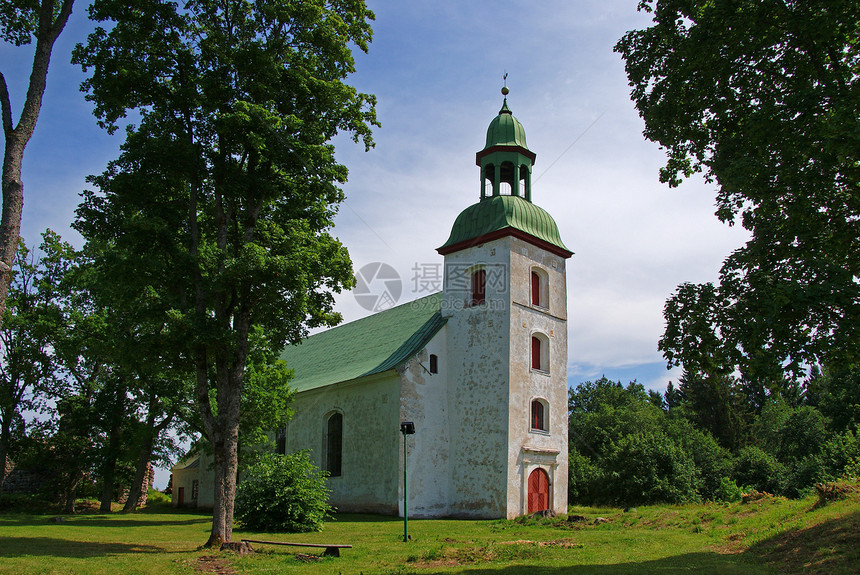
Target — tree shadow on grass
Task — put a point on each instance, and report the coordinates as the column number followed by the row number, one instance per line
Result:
column 364, row 518
column 53, row 547
column 97, row 521
column 829, row 547
column 703, row 562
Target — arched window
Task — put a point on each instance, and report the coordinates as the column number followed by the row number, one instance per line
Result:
column 539, row 415
column 507, row 179
column 540, row 352
column 539, row 292
column 525, row 185
column 334, row 444
column 479, row 286
column 434, row 363
column 489, row 178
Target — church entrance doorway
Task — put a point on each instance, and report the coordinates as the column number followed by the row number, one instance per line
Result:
column 538, row 491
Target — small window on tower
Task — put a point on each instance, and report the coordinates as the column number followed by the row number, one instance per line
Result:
column 479, row 286
column 539, row 295
column 540, row 352
column 540, row 412
column 434, row 363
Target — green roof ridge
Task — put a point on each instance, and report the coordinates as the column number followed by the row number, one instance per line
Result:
column 367, row 346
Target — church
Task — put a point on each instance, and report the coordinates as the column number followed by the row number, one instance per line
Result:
column 478, row 370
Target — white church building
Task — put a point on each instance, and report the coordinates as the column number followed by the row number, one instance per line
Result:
column 479, row 368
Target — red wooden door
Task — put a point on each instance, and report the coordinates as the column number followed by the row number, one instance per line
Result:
column 538, row 490
column 181, row 497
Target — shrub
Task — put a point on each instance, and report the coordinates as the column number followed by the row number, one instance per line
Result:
column 712, row 461
column 584, row 478
column 803, row 475
column 841, row 454
column 650, row 468
column 759, row 470
column 283, row 493
column 728, row 491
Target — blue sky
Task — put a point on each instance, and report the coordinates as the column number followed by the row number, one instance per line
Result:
column 436, row 68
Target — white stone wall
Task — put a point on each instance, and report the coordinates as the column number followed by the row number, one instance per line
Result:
column 478, row 364
column 184, row 477
column 371, row 440
column 424, row 401
column 529, row 449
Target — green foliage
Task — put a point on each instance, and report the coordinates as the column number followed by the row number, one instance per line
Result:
column 283, row 493
column 759, row 470
column 717, row 404
column 604, row 411
column 840, row 454
column 761, row 98
column 836, row 393
column 584, row 478
column 649, row 467
column 712, row 461
column 625, row 449
column 224, row 194
column 728, row 491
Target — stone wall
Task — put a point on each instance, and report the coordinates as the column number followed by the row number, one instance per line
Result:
column 23, row 481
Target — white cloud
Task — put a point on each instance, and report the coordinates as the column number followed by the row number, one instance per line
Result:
column 436, row 69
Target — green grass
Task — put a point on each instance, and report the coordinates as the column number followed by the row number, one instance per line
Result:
column 769, row 536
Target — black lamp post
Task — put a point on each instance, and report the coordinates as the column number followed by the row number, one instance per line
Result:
column 406, row 428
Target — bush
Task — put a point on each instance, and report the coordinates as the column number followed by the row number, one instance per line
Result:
column 282, row 493
column 728, row 491
column 841, row 454
column 712, row 461
column 759, row 470
column 584, row 478
column 803, row 476
column 650, row 468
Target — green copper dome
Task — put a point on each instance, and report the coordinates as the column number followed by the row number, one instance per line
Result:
column 499, row 213
column 505, row 130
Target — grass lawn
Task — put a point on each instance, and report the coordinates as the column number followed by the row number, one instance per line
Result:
column 768, row 536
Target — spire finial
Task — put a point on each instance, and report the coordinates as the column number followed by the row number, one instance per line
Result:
column 505, row 90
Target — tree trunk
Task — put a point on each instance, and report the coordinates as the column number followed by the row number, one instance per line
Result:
column 219, row 534
column 5, row 440
column 225, row 442
column 109, row 468
column 71, row 490
column 16, row 137
column 145, row 455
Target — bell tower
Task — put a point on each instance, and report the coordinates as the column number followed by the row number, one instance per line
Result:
column 505, row 302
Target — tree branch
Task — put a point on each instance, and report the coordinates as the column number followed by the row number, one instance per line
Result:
column 46, row 34
column 6, row 105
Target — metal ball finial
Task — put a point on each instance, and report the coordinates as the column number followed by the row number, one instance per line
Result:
column 505, row 91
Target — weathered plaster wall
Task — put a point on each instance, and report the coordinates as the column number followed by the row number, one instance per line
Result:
column 371, row 439
column 424, row 401
column 478, row 343
column 528, row 449
column 184, row 477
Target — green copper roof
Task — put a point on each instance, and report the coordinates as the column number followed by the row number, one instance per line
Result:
column 505, row 130
column 499, row 212
column 367, row 346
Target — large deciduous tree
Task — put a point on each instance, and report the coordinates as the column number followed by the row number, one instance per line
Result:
column 26, row 366
column 763, row 99
column 22, row 21
column 223, row 192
